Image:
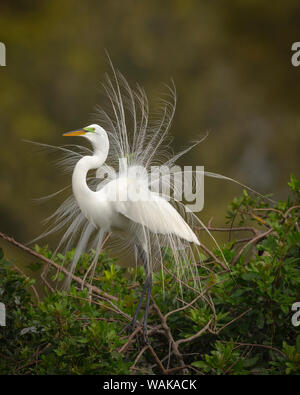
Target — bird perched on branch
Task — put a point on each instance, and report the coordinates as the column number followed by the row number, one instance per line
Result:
column 128, row 202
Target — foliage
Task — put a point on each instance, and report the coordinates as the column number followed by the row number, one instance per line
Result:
column 63, row 335
column 245, row 312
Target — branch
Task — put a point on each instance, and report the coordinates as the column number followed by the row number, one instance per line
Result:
column 232, row 321
column 212, row 255
column 193, row 337
column 235, row 229
column 62, row 269
column 254, row 240
column 170, row 337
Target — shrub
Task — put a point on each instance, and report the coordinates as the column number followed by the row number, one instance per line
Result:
column 238, row 323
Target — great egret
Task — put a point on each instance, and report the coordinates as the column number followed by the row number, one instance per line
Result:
column 149, row 226
column 128, row 215
column 126, row 132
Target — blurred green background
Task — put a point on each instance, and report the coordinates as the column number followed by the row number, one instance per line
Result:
column 231, row 65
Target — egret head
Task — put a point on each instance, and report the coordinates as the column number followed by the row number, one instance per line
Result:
column 95, row 134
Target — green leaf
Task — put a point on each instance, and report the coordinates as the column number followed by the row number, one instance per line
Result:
column 199, row 364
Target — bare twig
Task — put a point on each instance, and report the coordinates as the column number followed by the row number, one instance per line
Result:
column 234, row 229
column 170, row 337
column 193, row 337
column 252, row 241
column 212, row 255
column 259, row 345
column 232, row 321
column 158, row 361
column 130, row 339
column 114, row 308
column 186, row 306
column 139, row 357
column 289, row 210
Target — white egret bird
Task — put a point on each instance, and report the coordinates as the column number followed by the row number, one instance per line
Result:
column 150, row 225
column 97, row 205
column 135, row 212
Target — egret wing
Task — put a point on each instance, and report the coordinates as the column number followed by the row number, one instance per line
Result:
column 158, row 215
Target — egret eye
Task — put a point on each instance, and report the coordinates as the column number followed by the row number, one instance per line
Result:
column 88, row 129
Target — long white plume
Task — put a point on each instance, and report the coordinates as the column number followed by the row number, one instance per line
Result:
column 144, row 141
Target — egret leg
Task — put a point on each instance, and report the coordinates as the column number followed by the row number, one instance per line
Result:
column 146, row 291
column 149, row 288
column 133, row 322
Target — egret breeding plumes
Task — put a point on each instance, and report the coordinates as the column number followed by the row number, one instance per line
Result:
column 97, row 207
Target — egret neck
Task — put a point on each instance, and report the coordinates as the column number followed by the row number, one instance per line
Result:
column 83, row 194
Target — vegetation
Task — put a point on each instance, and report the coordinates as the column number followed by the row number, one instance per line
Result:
column 239, row 323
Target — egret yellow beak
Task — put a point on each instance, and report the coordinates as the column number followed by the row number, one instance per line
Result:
column 79, row 132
